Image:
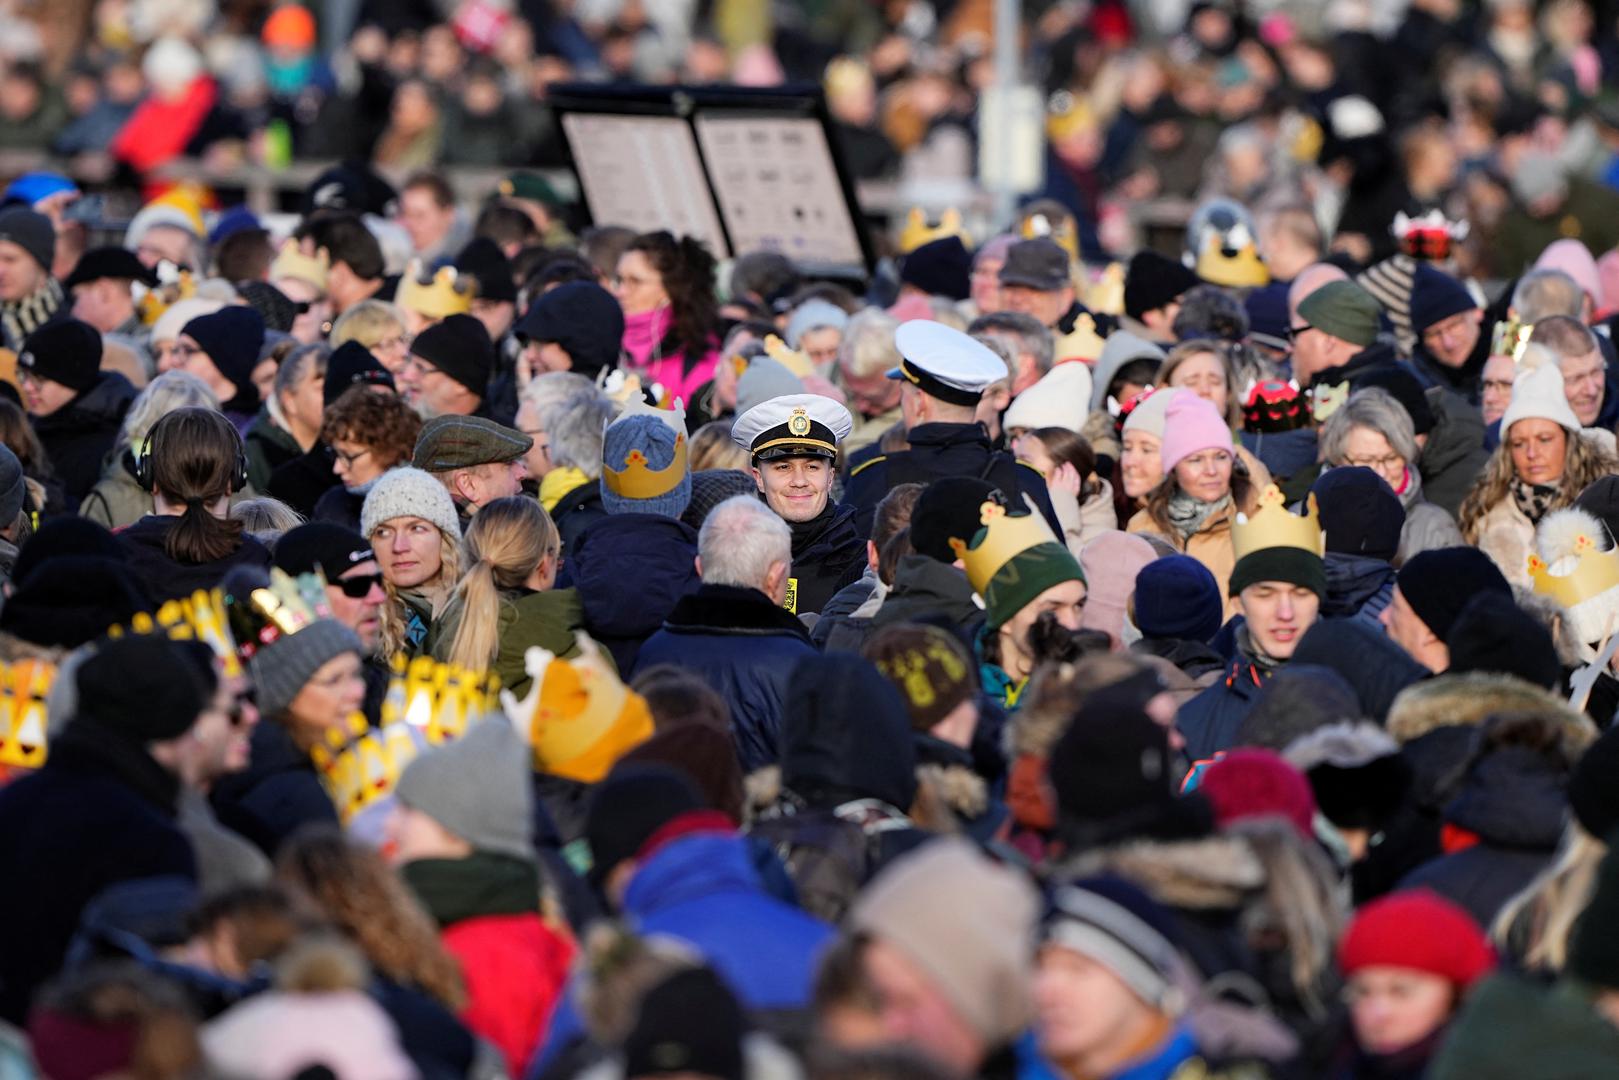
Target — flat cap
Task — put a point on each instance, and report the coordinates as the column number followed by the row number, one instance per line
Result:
column 464, row 442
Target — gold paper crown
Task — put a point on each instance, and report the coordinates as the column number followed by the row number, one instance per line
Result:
column 638, row 480
column 1105, row 295
column 1595, row 572
column 292, row 262
column 1002, row 537
column 580, row 718
column 1271, row 526
column 199, row 617
column 847, row 74
column 1240, row 270
column 446, row 293
column 154, row 302
column 271, row 612
column 24, row 685
column 1082, row 342
column 917, row 231
column 1061, row 232
column 791, row 359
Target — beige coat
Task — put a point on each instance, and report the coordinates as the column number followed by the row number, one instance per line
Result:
column 1507, row 536
column 1210, row 545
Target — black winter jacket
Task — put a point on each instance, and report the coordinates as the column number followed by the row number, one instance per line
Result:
column 79, row 436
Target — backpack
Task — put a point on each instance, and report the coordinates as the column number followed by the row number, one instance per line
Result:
column 830, row 854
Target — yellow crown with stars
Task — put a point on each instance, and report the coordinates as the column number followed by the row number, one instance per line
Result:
column 917, row 231
column 1105, row 295
column 446, row 293
column 291, row 262
column 1595, row 572
column 1003, row 537
column 1272, row 526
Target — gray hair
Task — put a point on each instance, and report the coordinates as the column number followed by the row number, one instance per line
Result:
column 299, row 363
column 740, row 541
column 1031, row 335
column 574, row 426
column 1541, row 293
column 1374, row 409
column 551, row 387
column 868, row 344
column 265, row 519
column 169, row 391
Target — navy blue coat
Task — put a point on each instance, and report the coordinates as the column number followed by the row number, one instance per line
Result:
column 744, row 647
column 1210, row 721
column 277, row 794
column 630, row 570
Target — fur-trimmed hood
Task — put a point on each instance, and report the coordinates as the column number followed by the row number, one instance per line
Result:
column 1466, row 700
column 1213, row 872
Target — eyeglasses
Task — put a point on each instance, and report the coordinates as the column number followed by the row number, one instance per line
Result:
column 358, row 588
column 239, row 704
column 1379, row 464
column 347, row 459
column 1295, row 332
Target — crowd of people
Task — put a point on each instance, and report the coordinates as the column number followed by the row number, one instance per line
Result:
column 439, row 640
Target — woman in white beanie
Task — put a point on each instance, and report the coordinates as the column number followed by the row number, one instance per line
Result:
column 1542, row 464
column 411, row 522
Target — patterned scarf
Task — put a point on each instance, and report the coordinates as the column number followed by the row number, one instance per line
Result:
column 1188, row 515
column 1534, row 499
column 23, row 317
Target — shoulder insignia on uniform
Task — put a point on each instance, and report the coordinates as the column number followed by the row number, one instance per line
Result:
column 854, row 472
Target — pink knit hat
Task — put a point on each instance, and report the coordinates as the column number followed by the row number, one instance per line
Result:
column 1192, row 424
column 1111, row 561
column 1574, row 259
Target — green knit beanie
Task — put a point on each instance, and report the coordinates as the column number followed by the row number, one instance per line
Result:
column 1025, row 576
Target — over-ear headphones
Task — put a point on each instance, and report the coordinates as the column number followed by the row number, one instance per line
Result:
column 143, row 460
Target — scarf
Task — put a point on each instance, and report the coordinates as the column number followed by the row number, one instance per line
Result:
column 1534, row 500
column 555, row 485
column 363, row 489
column 1188, row 515
column 22, row 317
column 1267, row 665
column 644, row 333
column 483, row 883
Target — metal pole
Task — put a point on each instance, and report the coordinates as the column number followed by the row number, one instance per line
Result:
column 1001, row 124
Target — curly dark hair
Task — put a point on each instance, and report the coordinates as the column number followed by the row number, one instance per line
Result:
column 382, row 422
column 688, row 271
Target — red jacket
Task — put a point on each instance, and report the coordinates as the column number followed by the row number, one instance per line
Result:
column 515, row 967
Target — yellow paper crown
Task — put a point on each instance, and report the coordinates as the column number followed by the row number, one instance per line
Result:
column 917, row 231
column 1105, row 295
column 1082, row 342
column 24, row 685
column 791, row 359
column 1595, row 572
column 846, row 75
column 638, row 480
column 1271, row 526
column 446, row 293
column 1240, row 270
column 198, row 617
column 291, row 262
column 580, row 718
column 1002, row 537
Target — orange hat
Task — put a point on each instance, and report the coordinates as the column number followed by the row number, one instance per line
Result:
column 290, row 26
column 579, row 717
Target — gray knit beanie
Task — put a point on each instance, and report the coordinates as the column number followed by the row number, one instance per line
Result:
column 408, row 492
column 477, row 787
column 655, row 441
column 281, row 668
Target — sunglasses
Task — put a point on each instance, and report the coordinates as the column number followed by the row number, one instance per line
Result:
column 357, row 588
column 239, row 705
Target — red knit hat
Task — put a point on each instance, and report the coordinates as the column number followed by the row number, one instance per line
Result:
column 1256, row 783
column 1421, row 930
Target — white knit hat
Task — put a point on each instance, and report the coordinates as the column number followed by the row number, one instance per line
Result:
column 1059, row 399
column 1150, row 411
column 1538, row 395
column 408, row 492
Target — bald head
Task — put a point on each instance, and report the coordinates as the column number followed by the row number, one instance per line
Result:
column 1310, row 279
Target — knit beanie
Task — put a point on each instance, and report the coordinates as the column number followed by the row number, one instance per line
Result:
column 1344, row 310
column 813, row 314
column 1058, row 399
column 1247, row 783
column 948, row 507
column 644, row 467
column 485, row 263
column 281, row 668
column 1360, row 514
column 628, row 807
column 1110, row 561
column 966, row 923
column 706, row 755
column 1152, row 281
column 1539, row 394
column 1439, row 583
column 1177, row 599
column 352, row 364
column 1151, row 410
column 1112, row 763
column 1592, row 794
column 460, row 348
column 142, row 686
column 1421, row 930
column 765, row 379
column 1113, row 922
column 1291, row 565
column 478, row 787
column 1493, row 634
column 582, row 318
column 690, row 1024
column 66, row 351
column 59, row 537
column 1023, row 577
column 231, row 337
column 1436, row 296
column 940, row 267
column 1192, row 424
column 932, row 669
column 31, row 231
column 13, row 490
column 70, row 600
column 408, row 492
column 1593, row 951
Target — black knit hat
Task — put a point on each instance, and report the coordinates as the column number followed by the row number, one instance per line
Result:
column 61, row 537
column 460, row 348
column 948, row 507
column 632, row 803
column 232, row 338
column 1360, row 514
column 31, row 231
column 582, row 318
column 1593, row 951
column 352, row 364
column 1438, row 584
column 274, row 306
column 1153, row 281
column 1405, row 388
column 66, row 351
column 1493, row 634
column 940, row 267
column 1436, row 296
column 1592, row 794
column 1112, row 765
column 103, row 263
column 483, row 260
column 72, row 600
column 1292, row 565
column 143, row 686
column 691, row 1024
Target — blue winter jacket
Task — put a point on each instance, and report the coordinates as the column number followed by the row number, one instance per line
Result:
column 1210, row 721
column 704, row 890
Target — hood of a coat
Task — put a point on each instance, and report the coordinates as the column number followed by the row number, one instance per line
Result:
column 105, row 402
column 1515, row 797
column 631, row 570
column 846, row 735
column 1352, row 580
column 1465, row 700
column 690, row 868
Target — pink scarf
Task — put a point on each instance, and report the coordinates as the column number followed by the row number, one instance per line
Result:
column 643, row 336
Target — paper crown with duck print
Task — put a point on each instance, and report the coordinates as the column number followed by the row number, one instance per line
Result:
column 1576, row 564
column 638, row 479
column 291, row 262
column 443, row 294
column 1271, row 525
column 578, row 717
column 917, row 231
column 1222, row 246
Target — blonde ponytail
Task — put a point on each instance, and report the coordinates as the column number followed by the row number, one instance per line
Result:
column 506, row 542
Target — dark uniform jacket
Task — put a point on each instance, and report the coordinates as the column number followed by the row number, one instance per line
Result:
column 828, row 553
